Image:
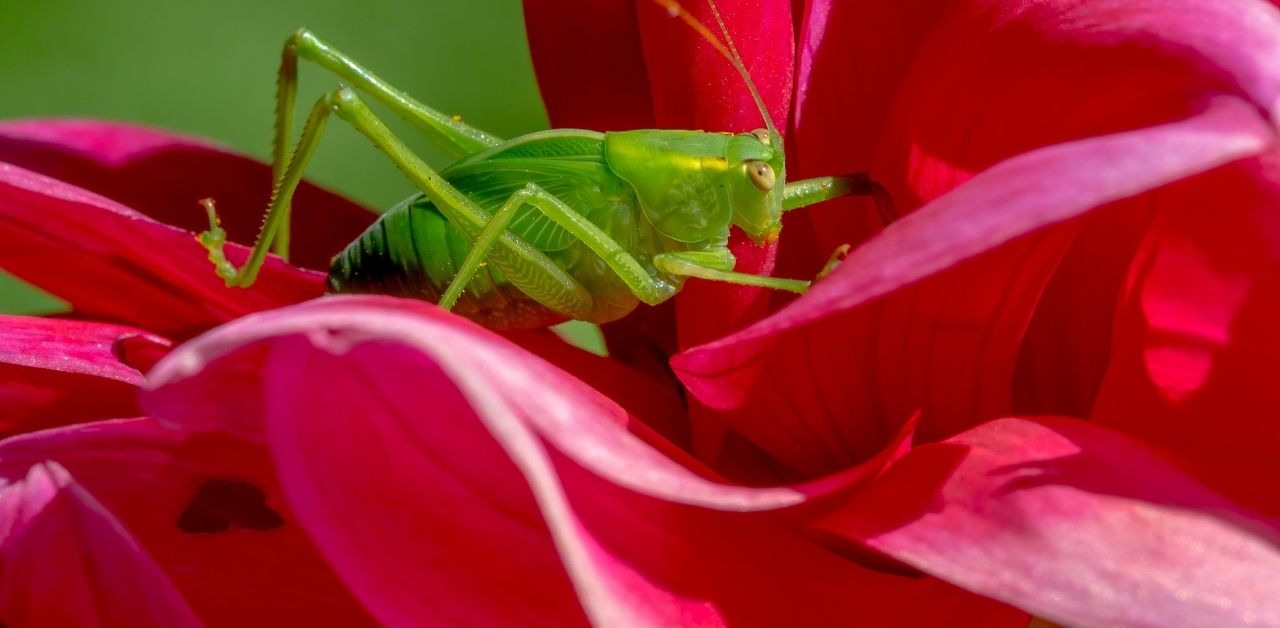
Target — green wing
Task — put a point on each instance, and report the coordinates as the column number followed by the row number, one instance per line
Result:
column 569, row 164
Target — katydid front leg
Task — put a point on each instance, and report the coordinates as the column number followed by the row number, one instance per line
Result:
column 808, row 192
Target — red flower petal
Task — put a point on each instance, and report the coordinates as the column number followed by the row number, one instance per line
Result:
column 207, row 508
column 938, row 345
column 54, row 372
column 589, row 63
column 65, row 561
column 1073, row 523
column 512, row 477
column 925, row 93
column 162, row 175
column 112, row 263
column 694, row 87
column 1196, row 346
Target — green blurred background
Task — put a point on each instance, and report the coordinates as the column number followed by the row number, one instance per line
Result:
column 208, row 68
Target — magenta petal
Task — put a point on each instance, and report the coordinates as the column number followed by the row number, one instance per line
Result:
column 207, row 509
column 655, row 403
column 479, row 468
column 69, row 346
column 54, row 372
column 112, row 263
column 1072, row 523
column 162, row 175
column 65, row 561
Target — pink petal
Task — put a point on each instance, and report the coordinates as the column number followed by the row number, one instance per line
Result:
column 113, row 263
column 68, row 346
column 65, row 561
column 162, row 175
column 54, row 372
column 192, row 501
column 656, row 403
column 590, row 66
column 514, row 493
column 949, row 344
column 1195, row 345
column 1072, row 523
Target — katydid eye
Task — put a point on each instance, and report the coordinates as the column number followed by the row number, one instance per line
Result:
column 763, row 136
column 761, row 175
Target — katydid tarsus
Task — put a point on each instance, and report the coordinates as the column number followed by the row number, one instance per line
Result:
column 554, row 225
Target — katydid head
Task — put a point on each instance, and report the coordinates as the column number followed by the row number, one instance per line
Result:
column 756, row 160
column 757, row 173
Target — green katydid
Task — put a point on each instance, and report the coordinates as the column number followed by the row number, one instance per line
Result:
column 554, row 225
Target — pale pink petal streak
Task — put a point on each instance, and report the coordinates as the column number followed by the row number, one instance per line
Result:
column 56, row 371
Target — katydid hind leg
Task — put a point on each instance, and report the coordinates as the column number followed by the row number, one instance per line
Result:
column 622, row 263
column 454, row 136
column 527, row 268
column 480, row 248
column 450, row 133
column 644, row 286
column 534, row 273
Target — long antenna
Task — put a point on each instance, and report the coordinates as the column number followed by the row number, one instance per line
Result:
column 674, row 8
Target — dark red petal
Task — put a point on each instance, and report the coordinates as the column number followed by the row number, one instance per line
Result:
column 589, row 63
column 112, row 263
column 65, row 561
column 949, row 344
column 207, row 508
column 495, row 471
column 1072, row 523
column 1196, row 346
column 55, row 372
column 162, row 175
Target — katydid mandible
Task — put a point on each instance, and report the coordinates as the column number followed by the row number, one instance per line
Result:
column 554, row 225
